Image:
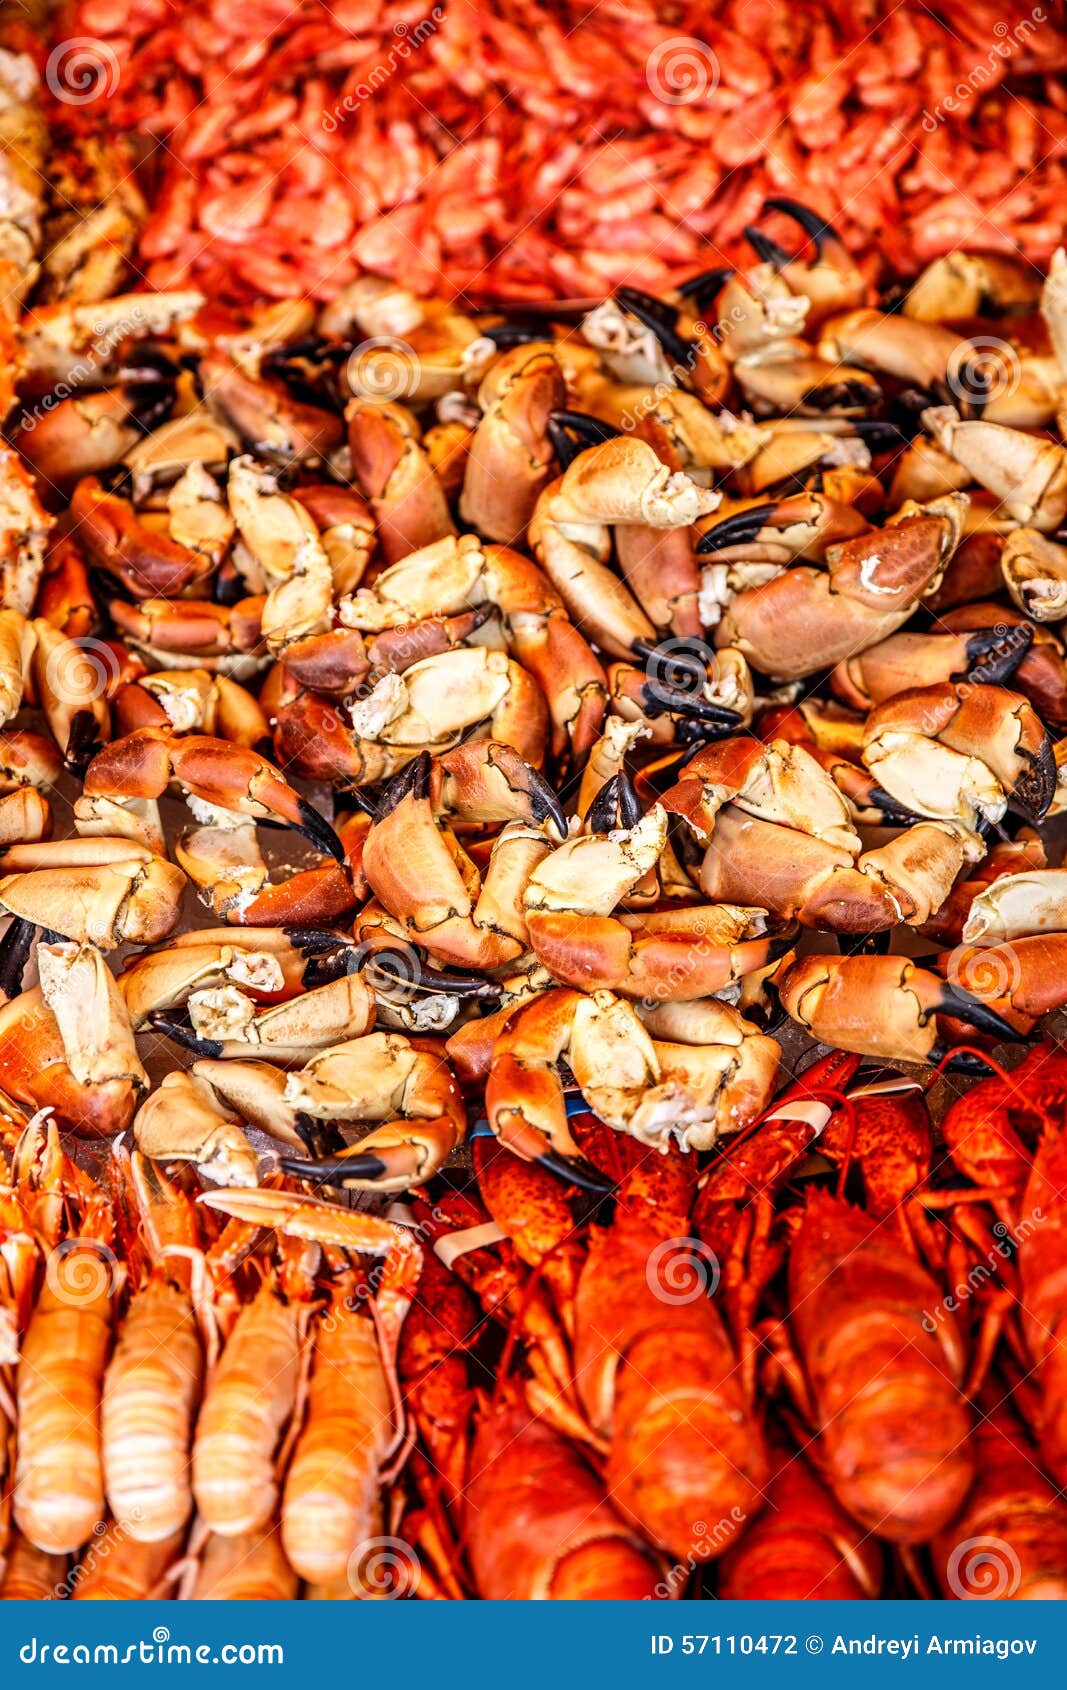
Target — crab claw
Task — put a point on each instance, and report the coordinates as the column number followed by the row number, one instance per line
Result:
column 818, row 230
column 315, row 828
column 394, row 966
column 575, row 1170
column 344, row 1171
column 766, row 250
column 572, row 432
column 15, row 948
column 679, row 666
column 994, row 654
column 616, row 805
column 660, row 320
column 741, row 529
column 964, row 1006
column 703, row 288
column 1034, row 791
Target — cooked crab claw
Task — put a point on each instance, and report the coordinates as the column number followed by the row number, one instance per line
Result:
column 994, row 654
column 83, row 741
column 572, row 432
column 336, row 1170
column 737, row 530
column 679, row 666
column 1035, row 788
column 15, row 948
column 703, row 288
column 520, row 331
column 660, row 319
column 315, row 828
column 394, row 967
column 575, row 1170
column 818, row 230
column 615, row 805
column 766, row 250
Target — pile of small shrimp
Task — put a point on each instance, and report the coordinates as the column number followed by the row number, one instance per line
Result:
column 517, row 150
column 503, row 823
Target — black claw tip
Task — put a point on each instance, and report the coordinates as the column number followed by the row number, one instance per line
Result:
column 994, row 654
column 659, row 699
column 175, row 1024
column 737, row 530
column 412, row 781
column 676, row 662
column 703, row 288
column 814, row 226
column 545, row 804
column 318, row 831
column 646, row 305
column 766, row 250
column 335, row 1170
column 602, row 814
column 1034, row 791
column 659, row 319
column 15, row 948
column 83, row 741
column 964, row 1007
column 575, row 1170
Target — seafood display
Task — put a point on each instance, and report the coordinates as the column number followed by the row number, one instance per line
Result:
column 539, row 149
column 532, row 922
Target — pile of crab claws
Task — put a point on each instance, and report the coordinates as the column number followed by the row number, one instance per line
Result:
column 571, row 432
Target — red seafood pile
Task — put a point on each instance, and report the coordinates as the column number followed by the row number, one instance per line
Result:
column 531, row 150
